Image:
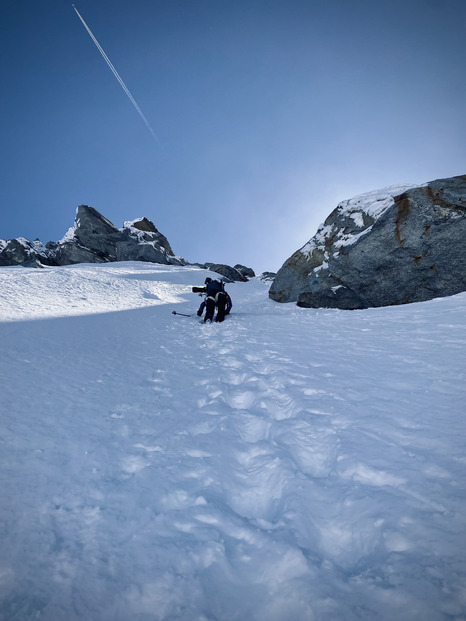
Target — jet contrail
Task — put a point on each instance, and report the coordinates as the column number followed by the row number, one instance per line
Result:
column 117, row 75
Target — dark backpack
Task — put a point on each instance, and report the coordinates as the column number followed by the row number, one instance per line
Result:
column 214, row 286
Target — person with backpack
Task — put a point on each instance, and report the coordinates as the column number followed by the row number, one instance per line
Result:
column 215, row 298
column 228, row 305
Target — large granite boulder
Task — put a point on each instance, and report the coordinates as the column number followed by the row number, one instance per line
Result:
column 396, row 246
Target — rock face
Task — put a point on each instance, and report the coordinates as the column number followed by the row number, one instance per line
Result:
column 21, row 251
column 230, row 274
column 94, row 239
column 141, row 241
column 396, row 246
column 245, row 271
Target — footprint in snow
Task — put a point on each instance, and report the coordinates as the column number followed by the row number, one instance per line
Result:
column 252, row 429
column 240, row 399
column 258, row 484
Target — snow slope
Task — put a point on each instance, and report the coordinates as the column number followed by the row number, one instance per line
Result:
column 289, row 464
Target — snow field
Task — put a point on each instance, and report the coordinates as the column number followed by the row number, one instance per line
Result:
column 288, row 464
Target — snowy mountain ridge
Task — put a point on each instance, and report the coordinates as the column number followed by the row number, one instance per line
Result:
column 287, row 464
column 93, row 239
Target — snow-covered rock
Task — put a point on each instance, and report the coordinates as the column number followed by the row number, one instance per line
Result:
column 246, row 271
column 21, row 250
column 141, row 241
column 231, row 274
column 94, row 239
column 394, row 246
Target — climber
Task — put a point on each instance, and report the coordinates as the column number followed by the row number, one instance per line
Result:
column 216, row 297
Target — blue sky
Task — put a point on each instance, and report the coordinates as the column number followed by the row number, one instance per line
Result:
column 268, row 114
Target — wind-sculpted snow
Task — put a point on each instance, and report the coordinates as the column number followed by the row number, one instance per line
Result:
column 288, row 464
column 83, row 290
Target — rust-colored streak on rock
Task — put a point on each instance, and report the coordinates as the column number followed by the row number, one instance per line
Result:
column 439, row 200
column 402, row 203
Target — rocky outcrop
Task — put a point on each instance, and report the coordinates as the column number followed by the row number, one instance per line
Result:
column 230, row 274
column 21, row 251
column 94, row 239
column 94, row 232
column 395, row 246
column 248, row 272
column 141, row 241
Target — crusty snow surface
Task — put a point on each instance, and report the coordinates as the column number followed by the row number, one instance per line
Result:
column 289, row 464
